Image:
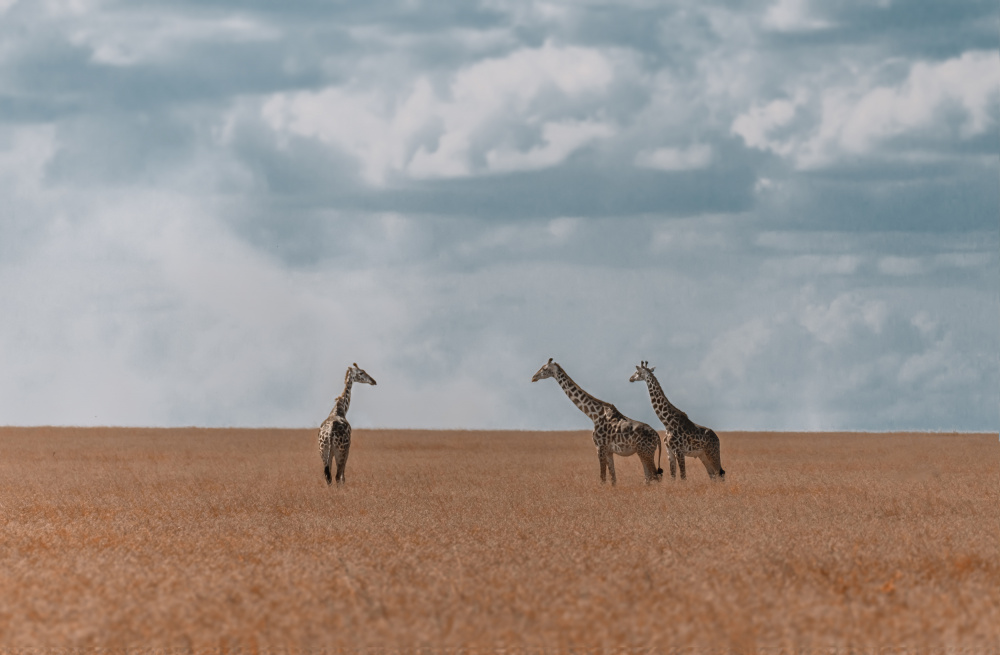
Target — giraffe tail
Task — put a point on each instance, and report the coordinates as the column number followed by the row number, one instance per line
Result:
column 659, row 456
column 326, row 472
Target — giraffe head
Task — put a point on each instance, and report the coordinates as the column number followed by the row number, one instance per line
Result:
column 358, row 374
column 643, row 372
column 548, row 370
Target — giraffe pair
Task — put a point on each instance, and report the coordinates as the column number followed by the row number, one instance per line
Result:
column 616, row 434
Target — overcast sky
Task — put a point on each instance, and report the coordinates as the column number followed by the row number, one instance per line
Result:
column 209, row 209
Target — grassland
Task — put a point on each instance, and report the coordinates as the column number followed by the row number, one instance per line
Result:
column 220, row 540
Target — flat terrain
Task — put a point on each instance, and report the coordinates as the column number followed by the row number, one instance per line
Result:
column 216, row 540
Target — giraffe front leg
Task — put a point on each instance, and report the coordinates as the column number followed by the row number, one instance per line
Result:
column 672, row 458
column 680, row 465
column 611, row 466
column 604, row 464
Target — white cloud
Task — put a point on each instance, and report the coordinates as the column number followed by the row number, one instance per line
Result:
column 939, row 367
column 24, row 153
column 813, row 265
column 835, row 322
column 469, row 130
column 793, row 16
column 858, row 119
column 731, row 352
column 130, row 38
column 564, row 228
column 760, row 124
column 558, row 141
column 856, row 122
column 897, row 266
column 694, row 157
column 901, row 266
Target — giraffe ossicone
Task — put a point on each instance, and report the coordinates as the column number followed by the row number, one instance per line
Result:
column 335, row 432
column 684, row 437
column 614, row 433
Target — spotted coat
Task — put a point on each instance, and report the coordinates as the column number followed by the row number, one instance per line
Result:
column 684, row 437
column 614, row 433
column 335, row 432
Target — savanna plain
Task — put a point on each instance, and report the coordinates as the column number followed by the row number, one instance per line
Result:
column 195, row 540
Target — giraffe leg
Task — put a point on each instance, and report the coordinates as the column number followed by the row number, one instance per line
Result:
column 680, row 465
column 649, row 467
column 326, row 453
column 672, row 458
column 604, row 464
column 342, row 462
column 611, row 466
column 717, row 463
column 706, row 459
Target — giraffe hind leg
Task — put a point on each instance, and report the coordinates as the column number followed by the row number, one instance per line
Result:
column 706, row 459
column 649, row 468
column 325, row 453
column 717, row 464
column 342, row 464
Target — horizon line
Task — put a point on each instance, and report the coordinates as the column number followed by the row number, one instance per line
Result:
column 460, row 429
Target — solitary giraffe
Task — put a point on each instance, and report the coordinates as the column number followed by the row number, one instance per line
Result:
column 335, row 433
column 684, row 437
column 614, row 433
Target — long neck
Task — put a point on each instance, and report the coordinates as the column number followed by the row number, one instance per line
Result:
column 344, row 399
column 664, row 409
column 587, row 404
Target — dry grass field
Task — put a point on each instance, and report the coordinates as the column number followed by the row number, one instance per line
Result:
column 230, row 540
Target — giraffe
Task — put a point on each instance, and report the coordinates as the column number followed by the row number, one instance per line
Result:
column 684, row 437
column 335, row 433
column 614, row 433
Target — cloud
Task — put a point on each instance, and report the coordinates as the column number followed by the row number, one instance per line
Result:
column 694, row 157
column 813, row 265
column 732, row 351
column 836, row 321
column 517, row 112
column 948, row 101
column 759, row 126
column 792, row 16
column 210, row 210
column 133, row 38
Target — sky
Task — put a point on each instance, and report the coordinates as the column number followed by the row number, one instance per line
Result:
column 210, row 209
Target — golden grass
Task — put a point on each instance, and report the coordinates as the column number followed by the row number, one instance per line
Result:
column 216, row 540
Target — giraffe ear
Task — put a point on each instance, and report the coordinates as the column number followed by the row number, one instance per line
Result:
column 652, row 368
column 550, row 360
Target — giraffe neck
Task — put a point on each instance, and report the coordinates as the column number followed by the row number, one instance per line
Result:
column 587, row 404
column 665, row 410
column 344, row 399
